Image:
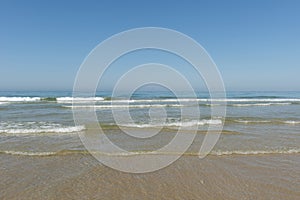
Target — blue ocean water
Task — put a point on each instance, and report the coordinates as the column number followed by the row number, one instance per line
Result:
column 41, row 123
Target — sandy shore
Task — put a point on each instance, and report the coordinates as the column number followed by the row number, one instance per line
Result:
column 215, row 177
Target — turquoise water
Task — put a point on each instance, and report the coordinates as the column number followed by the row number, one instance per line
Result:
column 41, row 123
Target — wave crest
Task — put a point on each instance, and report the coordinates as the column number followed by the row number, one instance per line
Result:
column 137, row 153
column 35, row 128
column 177, row 124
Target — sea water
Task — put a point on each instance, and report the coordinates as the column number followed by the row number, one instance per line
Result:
column 41, row 123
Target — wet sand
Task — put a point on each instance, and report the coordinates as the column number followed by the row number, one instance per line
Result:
column 215, row 177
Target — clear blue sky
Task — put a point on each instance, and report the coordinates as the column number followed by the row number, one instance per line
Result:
column 255, row 44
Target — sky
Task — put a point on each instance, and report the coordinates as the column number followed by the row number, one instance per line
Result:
column 255, row 44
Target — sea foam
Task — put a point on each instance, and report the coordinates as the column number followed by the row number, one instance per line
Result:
column 177, row 124
column 157, row 153
column 35, row 128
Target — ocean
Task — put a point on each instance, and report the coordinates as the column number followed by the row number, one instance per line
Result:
column 259, row 147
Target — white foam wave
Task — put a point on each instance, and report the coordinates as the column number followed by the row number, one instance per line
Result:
column 124, row 106
column 27, row 128
column 261, row 104
column 255, row 152
column 177, row 124
column 107, row 106
column 23, row 153
column 49, row 130
column 151, row 100
column 275, row 121
column 254, row 100
column 137, row 153
column 19, row 99
column 253, row 121
column 210, row 100
column 78, row 99
column 58, row 99
column 178, row 100
column 291, row 122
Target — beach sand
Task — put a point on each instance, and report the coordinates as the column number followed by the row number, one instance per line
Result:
column 214, row 177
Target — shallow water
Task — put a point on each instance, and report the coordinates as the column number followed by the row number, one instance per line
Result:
column 256, row 123
column 79, row 176
column 257, row 154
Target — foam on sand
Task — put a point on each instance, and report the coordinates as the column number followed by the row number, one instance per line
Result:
column 136, row 153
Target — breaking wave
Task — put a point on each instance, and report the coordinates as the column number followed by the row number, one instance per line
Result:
column 137, row 153
column 35, row 128
column 177, row 124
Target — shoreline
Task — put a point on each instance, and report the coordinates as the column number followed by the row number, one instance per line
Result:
column 214, row 177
